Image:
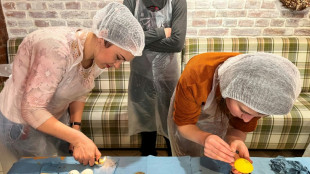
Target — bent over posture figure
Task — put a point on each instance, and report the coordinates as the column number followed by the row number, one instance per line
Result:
column 53, row 71
column 221, row 96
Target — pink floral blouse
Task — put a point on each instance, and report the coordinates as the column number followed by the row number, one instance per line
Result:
column 47, row 76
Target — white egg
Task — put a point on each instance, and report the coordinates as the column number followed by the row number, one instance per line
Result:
column 74, row 172
column 87, row 171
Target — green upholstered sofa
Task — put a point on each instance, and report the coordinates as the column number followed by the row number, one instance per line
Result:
column 105, row 118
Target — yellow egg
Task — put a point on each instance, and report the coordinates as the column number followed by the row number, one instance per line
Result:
column 101, row 161
column 243, row 165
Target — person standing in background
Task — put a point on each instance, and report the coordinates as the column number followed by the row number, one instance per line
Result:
column 154, row 75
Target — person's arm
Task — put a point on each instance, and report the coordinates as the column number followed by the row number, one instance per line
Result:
column 76, row 111
column 214, row 146
column 85, row 151
column 151, row 35
column 193, row 133
column 175, row 42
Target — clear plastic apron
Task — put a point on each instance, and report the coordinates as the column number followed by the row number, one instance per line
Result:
column 153, row 77
column 24, row 140
column 210, row 120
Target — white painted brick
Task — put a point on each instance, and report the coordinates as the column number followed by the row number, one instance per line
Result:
column 202, row 4
column 220, row 4
column 38, row 6
column 73, row 23
column 25, row 23
column 268, row 4
column 23, row 6
column 292, row 22
column 56, row 5
column 302, row 32
column 214, row 22
column 304, row 23
column 253, row 4
column 230, row 22
column 262, row 23
column 74, row 14
column 58, row 23
column 246, row 32
column 213, row 32
column 246, row 23
column 277, row 22
column 236, row 4
column 87, row 23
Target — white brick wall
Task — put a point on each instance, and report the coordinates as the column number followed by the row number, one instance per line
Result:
column 222, row 18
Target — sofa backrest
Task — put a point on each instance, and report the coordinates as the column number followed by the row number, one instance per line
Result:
column 296, row 49
column 12, row 47
column 113, row 80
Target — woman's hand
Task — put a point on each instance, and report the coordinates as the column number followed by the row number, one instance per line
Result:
column 217, row 148
column 167, row 32
column 85, row 151
column 238, row 145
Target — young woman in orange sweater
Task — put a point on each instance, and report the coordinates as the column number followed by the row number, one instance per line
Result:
column 221, row 96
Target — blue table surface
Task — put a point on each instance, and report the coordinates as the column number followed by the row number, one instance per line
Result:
column 148, row 165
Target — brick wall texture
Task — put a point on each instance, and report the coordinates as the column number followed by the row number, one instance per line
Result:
column 3, row 39
column 222, row 18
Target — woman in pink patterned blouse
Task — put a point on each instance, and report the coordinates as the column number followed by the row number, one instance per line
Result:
column 53, row 71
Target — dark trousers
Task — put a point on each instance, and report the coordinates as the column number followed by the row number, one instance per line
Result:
column 149, row 142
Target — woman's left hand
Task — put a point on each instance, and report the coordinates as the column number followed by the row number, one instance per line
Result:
column 238, row 145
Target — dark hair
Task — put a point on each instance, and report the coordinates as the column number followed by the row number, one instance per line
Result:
column 107, row 44
column 222, row 108
column 221, row 104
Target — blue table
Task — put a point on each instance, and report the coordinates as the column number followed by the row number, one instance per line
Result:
column 148, row 165
column 125, row 165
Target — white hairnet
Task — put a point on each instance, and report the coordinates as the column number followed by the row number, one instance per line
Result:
column 266, row 83
column 116, row 24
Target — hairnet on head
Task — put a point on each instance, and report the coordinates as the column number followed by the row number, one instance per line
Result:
column 116, row 24
column 267, row 83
